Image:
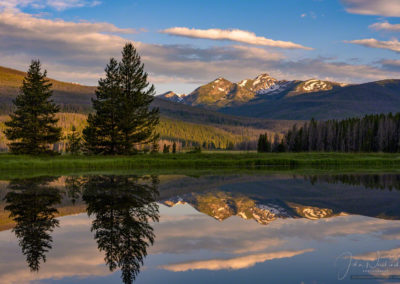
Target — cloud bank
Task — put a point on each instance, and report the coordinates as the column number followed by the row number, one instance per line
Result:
column 79, row 51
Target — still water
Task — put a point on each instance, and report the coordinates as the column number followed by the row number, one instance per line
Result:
column 206, row 229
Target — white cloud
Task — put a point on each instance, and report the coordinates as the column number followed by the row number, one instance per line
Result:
column 393, row 44
column 232, row 35
column 67, row 46
column 232, row 263
column 386, row 27
column 387, row 8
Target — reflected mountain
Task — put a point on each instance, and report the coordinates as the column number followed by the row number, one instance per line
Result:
column 222, row 205
column 122, row 207
column 31, row 203
column 268, row 198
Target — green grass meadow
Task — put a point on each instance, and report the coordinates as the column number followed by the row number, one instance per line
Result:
column 204, row 162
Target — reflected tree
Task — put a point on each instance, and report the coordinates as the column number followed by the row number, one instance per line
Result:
column 31, row 205
column 372, row 181
column 123, row 208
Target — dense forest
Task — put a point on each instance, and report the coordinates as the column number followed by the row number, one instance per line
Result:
column 371, row 133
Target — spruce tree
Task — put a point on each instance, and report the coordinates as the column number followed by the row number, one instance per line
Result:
column 32, row 127
column 102, row 135
column 122, row 119
column 137, row 121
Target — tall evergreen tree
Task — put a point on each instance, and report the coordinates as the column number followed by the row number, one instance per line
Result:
column 137, row 121
column 102, row 135
column 122, row 118
column 32, row 127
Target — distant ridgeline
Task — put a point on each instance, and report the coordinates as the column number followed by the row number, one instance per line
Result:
column 372, row 133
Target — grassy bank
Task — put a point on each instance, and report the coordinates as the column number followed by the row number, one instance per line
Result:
column 198, row 161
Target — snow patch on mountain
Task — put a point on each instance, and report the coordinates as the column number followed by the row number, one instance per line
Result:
column 243, row 83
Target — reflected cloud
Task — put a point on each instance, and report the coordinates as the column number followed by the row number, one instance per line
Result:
column 74, row 254
column 233, row 263
column 392, row 254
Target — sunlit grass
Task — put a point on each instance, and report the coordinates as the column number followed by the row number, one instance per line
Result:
column 10, row 162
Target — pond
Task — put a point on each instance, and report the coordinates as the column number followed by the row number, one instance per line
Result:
column 234, row 228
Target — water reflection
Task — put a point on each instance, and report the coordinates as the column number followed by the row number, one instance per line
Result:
column 261, row 227
column 372, row 181
column 31, row 204
column 122, row 208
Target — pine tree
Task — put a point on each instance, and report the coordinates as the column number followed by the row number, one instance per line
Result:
column 122, row 119
column 264, row 145
column 102, row 135
column 136, row 121
column 32, row 127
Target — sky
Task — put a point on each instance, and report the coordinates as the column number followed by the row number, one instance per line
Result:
column 184, row 44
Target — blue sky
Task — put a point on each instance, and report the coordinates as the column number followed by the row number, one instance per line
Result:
column 187, row 43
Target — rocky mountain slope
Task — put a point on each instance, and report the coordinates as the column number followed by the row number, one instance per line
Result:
column 267, row 97
column 173, row 97
column 336, row 103
column 222, row 93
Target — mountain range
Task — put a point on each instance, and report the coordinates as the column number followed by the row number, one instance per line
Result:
column 263, row 102
column 267, row 97
column 265, row 199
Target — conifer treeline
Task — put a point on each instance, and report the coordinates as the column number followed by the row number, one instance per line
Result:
column 371, row 133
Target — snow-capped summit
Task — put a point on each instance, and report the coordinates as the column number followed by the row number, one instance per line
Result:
column 171, row 96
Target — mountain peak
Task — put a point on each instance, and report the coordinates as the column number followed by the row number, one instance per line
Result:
column 172, row 96
column 263, row 75
column 220, row 80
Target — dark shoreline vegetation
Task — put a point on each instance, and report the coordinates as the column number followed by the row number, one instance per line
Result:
column 201, row 163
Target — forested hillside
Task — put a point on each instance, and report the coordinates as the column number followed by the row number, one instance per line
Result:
column 71, row 97
column 185, row 134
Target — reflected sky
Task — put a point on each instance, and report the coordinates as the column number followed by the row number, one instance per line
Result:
column 193, row 246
